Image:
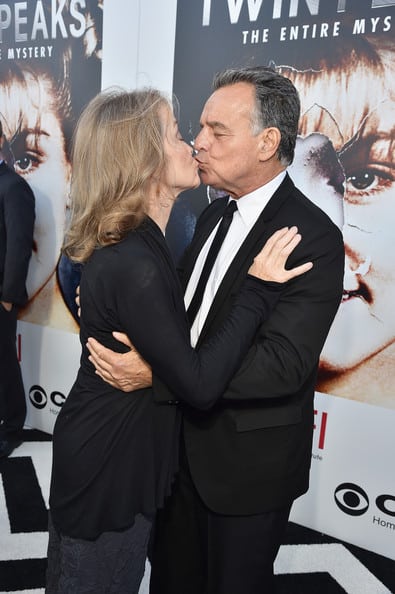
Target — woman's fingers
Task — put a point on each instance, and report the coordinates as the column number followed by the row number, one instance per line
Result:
column 298, row 270
column 271, row 261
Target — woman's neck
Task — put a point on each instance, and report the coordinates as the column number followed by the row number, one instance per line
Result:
column 160, row 205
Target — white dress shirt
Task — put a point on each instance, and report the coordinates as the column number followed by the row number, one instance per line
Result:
column 249, row 207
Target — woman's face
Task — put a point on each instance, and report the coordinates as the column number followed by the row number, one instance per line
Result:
column 33, row 129
column 363, row 136
column 181, row 172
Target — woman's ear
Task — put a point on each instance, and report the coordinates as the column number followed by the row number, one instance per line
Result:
column 269, row 143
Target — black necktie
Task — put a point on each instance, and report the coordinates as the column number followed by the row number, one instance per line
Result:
column 211, row 257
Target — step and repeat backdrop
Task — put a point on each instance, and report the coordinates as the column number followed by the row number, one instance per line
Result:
column 50, row 66
column 340, row 55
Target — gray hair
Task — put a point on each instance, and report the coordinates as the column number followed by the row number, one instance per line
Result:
column 277, row 104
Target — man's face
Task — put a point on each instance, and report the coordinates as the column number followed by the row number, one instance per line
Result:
column 228, row 153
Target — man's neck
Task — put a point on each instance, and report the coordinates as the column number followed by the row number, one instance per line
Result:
column 260, row 182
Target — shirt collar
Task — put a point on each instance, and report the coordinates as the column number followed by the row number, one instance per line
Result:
column 251, row 205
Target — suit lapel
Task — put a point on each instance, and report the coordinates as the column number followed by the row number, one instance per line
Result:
column 254, row 241
column 206, row 223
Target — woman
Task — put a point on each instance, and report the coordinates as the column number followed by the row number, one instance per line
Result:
column 114, row 454
column 347, row 96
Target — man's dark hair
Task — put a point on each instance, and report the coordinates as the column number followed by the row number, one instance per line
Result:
column 277, row 103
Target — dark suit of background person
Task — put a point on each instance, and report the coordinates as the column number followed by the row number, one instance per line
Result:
column 17, row 215
column 249, row 456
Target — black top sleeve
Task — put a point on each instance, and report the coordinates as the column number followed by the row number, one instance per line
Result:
column 158, row 329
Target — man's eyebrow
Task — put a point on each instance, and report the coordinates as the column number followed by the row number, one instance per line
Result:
column 215, row 125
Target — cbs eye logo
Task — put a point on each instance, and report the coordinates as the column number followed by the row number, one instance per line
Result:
column 354, row 501
column 351, row 499
column 39, row 399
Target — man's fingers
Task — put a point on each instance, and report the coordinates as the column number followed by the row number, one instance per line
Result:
column 121, row 337
column 118, row 384
column 104, row 375
column 107, row 378
column 99, row 352
column 99, row 364
column 93, row 345
column 77, row 296
column 100, row 356
column 123, row 385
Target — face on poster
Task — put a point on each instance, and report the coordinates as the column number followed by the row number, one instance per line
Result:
column 49, row 68
column 340, row 58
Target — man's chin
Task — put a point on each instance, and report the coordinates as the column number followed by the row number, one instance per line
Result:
column 205, row 178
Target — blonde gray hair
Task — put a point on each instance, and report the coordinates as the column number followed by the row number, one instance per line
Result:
column 118, row 151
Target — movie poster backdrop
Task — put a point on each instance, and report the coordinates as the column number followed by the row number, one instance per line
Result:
column 50, row 66
column 341, row 57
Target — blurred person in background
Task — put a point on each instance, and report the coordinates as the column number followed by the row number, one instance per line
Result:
column 17, row 214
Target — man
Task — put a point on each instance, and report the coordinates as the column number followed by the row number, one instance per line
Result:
column 17, row 215
column 245, row 461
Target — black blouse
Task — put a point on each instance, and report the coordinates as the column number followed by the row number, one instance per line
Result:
column 115, row 453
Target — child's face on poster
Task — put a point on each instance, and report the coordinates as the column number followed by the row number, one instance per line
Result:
column 361, row 132
column 34, row 130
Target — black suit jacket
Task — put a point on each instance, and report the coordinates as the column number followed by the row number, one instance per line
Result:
column 17, row 215
column 251, row 452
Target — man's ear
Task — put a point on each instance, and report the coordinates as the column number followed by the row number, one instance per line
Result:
column 269, row 143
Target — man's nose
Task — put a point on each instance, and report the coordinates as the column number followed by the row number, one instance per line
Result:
column 192, row 144
column 200, row 142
